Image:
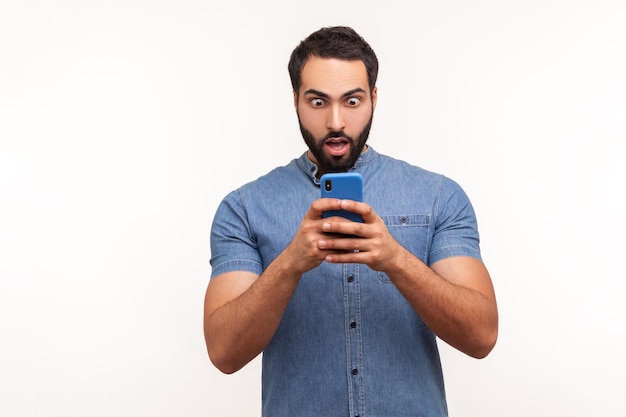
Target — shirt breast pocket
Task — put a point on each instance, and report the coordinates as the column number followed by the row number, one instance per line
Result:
column 412, row 231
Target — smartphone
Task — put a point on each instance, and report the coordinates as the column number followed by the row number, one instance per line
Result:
column 344, row 186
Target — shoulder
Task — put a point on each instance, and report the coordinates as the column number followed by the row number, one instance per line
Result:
column 278, row 178
column 282, row 189
column 283, row 176
column 387, row 176
column 402, row 171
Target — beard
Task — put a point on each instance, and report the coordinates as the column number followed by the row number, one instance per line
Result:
column 329, row 163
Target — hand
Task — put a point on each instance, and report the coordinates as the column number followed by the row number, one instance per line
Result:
column 374, row 246
column 304, row 252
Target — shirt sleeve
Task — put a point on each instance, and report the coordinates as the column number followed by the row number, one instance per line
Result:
column 456, row 229
column 233, row 248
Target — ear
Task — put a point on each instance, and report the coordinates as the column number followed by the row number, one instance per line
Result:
column 295, row 99
column 374, row 97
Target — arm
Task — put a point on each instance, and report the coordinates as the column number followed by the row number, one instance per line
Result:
column 242, row 310
column 455, row 297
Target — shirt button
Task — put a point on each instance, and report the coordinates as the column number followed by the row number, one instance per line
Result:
column 355, row 371
column 353, row 324
column 350, row 278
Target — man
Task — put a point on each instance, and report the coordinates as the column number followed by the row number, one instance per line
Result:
column 347, row 325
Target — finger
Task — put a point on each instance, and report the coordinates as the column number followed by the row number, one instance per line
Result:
column 343, row 244
column 345, row 258
column 365, row 210
column 321, row 205
column 342, row 226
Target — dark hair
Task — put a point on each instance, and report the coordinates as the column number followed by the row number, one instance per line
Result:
column 339, row 42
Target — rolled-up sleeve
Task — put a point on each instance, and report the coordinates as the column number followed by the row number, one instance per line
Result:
column 456, row 229
column 233, row 248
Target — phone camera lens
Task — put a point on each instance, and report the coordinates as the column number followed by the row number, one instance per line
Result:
column 328, row 185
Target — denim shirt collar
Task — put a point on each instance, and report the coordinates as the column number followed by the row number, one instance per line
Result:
column 310, row 169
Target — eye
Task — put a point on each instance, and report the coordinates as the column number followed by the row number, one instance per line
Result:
column 353, row 101
column 317, row 102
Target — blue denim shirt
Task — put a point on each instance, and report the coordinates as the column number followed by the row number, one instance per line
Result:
column 349, row 344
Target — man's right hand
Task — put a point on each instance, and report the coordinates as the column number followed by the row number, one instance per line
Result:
column 242, row 310
column 303, row 251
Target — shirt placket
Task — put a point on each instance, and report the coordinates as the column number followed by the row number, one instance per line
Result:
column 354, row 345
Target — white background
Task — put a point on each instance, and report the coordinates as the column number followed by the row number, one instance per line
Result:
column 124, row 123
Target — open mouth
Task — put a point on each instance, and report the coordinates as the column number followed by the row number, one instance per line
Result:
column 337, row 146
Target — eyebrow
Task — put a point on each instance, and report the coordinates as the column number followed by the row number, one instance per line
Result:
column 324, row 95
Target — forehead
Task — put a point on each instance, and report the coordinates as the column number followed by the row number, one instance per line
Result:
column 333, row 76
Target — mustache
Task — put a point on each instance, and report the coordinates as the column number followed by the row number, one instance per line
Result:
column 339, row 134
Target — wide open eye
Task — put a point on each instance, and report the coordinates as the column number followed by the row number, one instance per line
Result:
column 353, row 101
column 317, row 102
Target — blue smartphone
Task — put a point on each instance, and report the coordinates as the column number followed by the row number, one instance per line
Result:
column 344, row 186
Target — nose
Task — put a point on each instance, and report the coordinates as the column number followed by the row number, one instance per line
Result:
column 335, row 120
